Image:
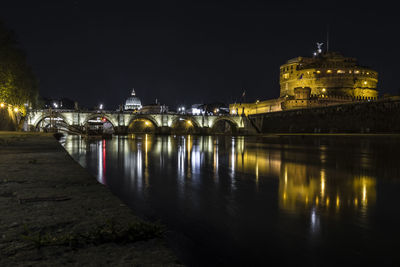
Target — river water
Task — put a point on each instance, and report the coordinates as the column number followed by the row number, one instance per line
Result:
column 291, row 200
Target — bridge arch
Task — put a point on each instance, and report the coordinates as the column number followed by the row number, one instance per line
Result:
column 103, row 115
column 106, row 125
column 40, row 122
column 185, row 124
column 224, row 125
column 192, row 120
column 144, row 117
column 142, row 124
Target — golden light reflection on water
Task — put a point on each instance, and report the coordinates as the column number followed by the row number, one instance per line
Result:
column 304, row 183
column 308, row 184
column 303, row 190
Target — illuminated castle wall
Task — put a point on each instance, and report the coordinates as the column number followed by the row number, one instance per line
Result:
column 329, row 74
column 323, row 80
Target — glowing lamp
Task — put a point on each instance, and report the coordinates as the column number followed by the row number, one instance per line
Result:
column 16, row 109
column 146, row 123
column 103, row 119
column 2, row 105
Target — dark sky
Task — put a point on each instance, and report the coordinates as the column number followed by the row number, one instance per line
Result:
column 192, row 52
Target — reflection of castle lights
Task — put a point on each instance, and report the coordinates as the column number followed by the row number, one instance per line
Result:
column 285, row 176
column 364, row 193
column 257, row 172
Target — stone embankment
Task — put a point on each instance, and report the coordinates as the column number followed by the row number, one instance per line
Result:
column 54, row 213
column 366, row 117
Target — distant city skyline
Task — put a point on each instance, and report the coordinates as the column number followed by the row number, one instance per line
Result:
column 185, row 53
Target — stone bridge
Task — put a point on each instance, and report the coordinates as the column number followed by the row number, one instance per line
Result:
column 123, row 122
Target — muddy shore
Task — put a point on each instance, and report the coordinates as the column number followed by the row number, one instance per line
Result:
column 53, row 212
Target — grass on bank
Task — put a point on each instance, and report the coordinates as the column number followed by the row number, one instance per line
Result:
column 110, row 232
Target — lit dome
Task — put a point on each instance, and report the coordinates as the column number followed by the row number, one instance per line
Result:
column 133, row 102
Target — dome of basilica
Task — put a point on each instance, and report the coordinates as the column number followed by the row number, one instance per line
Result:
column 133, row 102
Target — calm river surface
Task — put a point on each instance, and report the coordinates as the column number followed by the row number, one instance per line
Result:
column 291, row 200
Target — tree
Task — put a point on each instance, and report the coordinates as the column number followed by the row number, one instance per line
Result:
column 18, row 85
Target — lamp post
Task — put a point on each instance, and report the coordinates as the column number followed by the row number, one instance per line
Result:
column 257, row 105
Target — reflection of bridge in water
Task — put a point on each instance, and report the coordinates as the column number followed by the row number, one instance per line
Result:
column 127, row 122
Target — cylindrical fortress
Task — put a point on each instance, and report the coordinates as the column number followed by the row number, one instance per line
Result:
column 302, row 93
column 328, row 74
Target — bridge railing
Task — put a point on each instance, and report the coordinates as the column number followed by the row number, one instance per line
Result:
column 125, row 112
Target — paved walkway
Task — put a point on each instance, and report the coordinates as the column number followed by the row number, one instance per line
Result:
column 54, row 213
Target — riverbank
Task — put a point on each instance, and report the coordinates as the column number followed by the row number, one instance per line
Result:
column 55, row 213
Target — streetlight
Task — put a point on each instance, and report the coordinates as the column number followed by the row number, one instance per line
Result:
column 181, row 109
column 257, row 101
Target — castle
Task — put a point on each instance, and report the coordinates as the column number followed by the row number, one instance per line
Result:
column 325, row 79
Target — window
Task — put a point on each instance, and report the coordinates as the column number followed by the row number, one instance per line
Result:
column 286, row 75
column 356, row 72
column 340, row 71
column 328, row 71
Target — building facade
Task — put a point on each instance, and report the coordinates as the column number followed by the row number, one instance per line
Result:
column 323, row 80
column 329, row 74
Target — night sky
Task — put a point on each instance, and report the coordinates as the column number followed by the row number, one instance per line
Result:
column 191, row 52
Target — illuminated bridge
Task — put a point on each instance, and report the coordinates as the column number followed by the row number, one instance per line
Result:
column 118, row 122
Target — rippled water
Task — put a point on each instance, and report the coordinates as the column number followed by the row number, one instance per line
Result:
column 294, row 200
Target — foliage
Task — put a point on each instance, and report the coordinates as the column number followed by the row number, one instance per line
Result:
column 18, row 84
